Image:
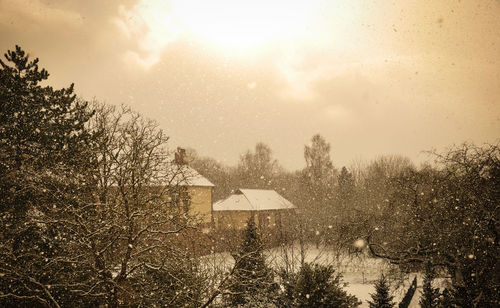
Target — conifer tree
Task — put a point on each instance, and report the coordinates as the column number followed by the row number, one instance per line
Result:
column 42, row 133
column 43, row 144
column 381, row 297
column 429, row 295
column 446, row 299
column 38, row 124
column 316, row 286
column 252, row 282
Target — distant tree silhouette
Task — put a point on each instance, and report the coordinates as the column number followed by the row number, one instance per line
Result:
column 257, row 169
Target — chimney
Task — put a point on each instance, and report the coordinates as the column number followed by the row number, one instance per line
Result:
column 180, row 156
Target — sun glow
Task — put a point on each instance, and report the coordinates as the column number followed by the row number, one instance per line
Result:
column 239, row 26
column 287, row 30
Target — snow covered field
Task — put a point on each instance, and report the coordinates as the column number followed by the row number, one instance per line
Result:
column 359, row 271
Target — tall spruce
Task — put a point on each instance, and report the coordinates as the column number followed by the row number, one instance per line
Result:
column 381, row 298
column 42, row 133
column 429, row 296
column 252, row 282
column 42, row 153
column 39, row 125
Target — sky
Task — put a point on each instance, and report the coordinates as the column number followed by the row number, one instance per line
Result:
column 372, row 77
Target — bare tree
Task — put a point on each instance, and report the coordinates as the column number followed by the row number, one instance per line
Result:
column 116, row 233
column 141, row 210
column 448, row 218
column 219, row 174
column 318, row 183
column 257, row 169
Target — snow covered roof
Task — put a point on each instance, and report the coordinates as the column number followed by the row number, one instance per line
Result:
column 233, row 203
column 184, row 175
column 253, row 200
column 167, row 172
column 180, row 173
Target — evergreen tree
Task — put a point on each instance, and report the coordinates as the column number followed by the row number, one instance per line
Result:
column 381, row 299
column 42, row 134
column 252, row 281
column 38, row 125
column 316, row 286
column 176, row 284
column 346, row 192
column 43, row 144
column 346, row 183
column 446, row 299
column 344, row 227
column 429, row 295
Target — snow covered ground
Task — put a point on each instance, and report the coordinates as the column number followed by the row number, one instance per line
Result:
column 359, row 271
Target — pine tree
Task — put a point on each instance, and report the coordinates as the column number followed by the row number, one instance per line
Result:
column 316, row 286
column 40, row 129
column 37, row 123
column 252, row 282
column 446, row 299
column 42, row 151
column 381, row 299
column 429, row 295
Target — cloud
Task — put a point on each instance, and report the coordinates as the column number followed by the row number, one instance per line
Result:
column 224, row 27
column 150, row 25
column 143, row 60
column 34, row 14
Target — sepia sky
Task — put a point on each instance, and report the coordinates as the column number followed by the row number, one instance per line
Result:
column 373, row 77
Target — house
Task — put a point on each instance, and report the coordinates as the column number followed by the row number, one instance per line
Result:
column 169, row 175
column 199, row 188
column 268, row 208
